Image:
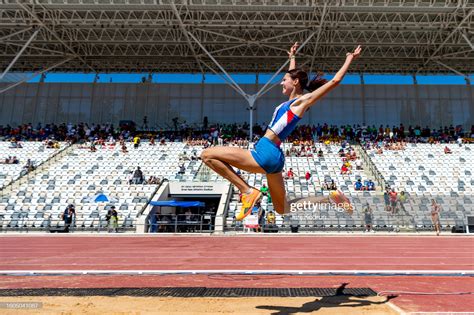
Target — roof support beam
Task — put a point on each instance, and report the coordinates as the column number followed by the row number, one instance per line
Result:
column 278, row 83
column 38, row 20
column 320, row 29
column 450, row 68
column 220, row 76
column 16, row 33
column 185, row 32
column 284, row 65
column 241, row 92
column 433, row 55
column 18, row 55
column 58, row 53
column 36, row 74
column 464, row 35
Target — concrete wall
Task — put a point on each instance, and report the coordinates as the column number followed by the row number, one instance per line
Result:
column 431, row 105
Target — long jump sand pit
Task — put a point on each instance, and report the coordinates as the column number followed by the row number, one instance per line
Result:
column 163, row 305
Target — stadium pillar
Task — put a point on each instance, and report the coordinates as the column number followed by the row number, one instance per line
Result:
column 417, row 103
column 470, row 97
column 362, row 86
column 203, row 80
column 251, row 99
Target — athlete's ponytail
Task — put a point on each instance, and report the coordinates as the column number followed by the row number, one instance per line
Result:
column 316, row 83
column 302, row 76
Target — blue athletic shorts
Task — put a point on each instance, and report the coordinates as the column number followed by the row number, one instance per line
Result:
column 269, row 156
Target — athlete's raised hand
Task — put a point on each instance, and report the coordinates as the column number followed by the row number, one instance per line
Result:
column 356, row 52
column 293, row 49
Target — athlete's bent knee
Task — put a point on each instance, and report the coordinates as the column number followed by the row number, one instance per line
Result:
column 205, row 156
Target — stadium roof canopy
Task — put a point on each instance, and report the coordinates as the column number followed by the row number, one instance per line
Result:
column 403, row 36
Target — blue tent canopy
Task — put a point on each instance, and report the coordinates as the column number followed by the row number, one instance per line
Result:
column 174, row 203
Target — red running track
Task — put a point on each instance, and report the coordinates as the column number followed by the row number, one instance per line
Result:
column 382, row 253
column 237, row 253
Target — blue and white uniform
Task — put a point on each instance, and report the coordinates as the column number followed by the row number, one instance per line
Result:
column 284, row 120
column 268, row 154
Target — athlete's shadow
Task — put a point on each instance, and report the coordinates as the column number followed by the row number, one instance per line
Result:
column 337, row 300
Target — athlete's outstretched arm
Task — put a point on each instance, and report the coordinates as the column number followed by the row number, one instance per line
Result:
column 292, row 56
column 310, row 99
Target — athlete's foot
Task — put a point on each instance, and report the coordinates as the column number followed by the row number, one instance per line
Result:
column 341, row 200
column 248, row 202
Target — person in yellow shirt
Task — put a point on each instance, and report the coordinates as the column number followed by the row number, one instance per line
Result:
column 136, row 142
column 271, row 219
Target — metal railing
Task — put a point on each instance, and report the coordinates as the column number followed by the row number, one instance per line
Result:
column 172, row 223
column 151, row 197
column 26, row 176
column 372, row 167
column 196, row 223
column 380, row 223
column 205, row 223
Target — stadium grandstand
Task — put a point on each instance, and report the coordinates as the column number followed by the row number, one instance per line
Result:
column 107, row 105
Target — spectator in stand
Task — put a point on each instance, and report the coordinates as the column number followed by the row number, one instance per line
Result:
column 136, row 142
column 13, row 143
column 29, row 166
column 358, row 185
column 341, row 152
column 370, row 185
column 402, row 198
column 152, row 140
column 68, row 216
column 447, row 150
column 435, row 211
column 112, row 220
column 333, row 185
column 344, row 169
column 124, row 148
column 367, row 217
column 353, row 155
column 153, row 180
column 290, row 173
column 265, row 192
column 358, row 164
column 138, row 176
column 182, row 169
column 11, row 160
column 386, row 199
column 271, row 218
column 393, row 200
column 307, row 176
column 261, row 219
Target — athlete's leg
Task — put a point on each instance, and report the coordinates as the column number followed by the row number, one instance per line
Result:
column 336, row 198
column 220, row 159
column 281, row 205
column 276, row 186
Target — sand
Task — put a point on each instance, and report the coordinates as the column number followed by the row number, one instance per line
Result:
column 160, row 305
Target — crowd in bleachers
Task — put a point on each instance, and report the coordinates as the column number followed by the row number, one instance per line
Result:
column 236, row 134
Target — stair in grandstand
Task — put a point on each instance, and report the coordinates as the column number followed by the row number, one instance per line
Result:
column 38, row 169
column 370, row 169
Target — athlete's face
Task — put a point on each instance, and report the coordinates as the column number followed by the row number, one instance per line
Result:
column 288, row 84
